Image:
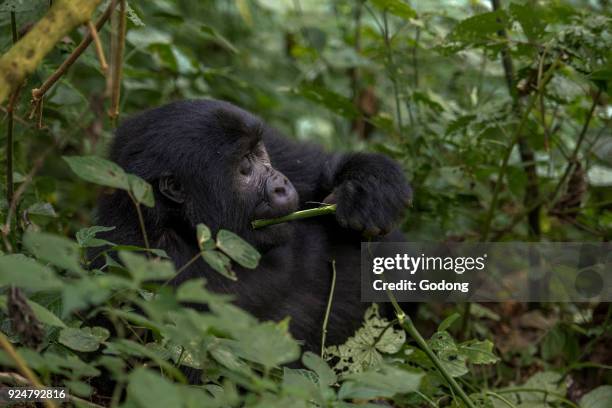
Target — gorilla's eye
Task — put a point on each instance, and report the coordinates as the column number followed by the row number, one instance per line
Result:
column 246, row 166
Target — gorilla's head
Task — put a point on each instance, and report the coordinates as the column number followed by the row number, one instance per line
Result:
column 207, row 163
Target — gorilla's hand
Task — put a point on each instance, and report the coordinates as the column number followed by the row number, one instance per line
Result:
column 371, row 193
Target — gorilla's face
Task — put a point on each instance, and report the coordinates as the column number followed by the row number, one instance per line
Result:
column 215, row 171
column 269, row 192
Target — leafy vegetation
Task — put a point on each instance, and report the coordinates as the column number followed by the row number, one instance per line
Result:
column 498, row 112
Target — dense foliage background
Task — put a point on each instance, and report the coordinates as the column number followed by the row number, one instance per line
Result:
column 498, row 112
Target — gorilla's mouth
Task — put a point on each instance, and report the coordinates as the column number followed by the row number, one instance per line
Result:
column 266, row 210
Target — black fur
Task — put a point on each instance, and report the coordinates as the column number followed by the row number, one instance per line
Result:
column 201, row 143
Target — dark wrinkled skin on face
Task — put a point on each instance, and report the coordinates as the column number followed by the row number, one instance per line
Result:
column 213, row 163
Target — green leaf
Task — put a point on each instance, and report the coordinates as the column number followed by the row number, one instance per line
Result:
column 531, row 18
column 478, row 28
column 42, row 313
column 600, row 397
column 441, row 341
column 365, row 348
column 448, row 322
column 220, row 263
column 56, row 250
column 266, row 344
column 26, row 273
column 44, row 209
column 85, row 339
column 98, row 170
column 141, row 190
column 238, row 249
column 203, row 235
column 143, row 269
column 149, row 389
column 86, row 237
column 396, row 7
column 333, row 101
column 479, row 352
column 318, row 365
column 385, row 382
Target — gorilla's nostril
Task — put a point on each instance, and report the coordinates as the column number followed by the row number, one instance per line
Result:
column 280, row 191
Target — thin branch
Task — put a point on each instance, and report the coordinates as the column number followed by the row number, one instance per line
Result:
column 526, row 153
column 99, row 50
column 23, row 367
column 328, row 308
column 117, row 68
column 10, row 124
column 17, row 379
column 23, row 58
column 513, row 141
column 39, row 92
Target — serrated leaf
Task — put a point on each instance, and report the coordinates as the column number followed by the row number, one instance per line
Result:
column 26, row 273
column 85, row 339
column 238, row 249
column 86, row 237
column 365, row 348
column 56, row 250
column 143, row 269
column 266, row 344
column 98, row 170
column 318, row 365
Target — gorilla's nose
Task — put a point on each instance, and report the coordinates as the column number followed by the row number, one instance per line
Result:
column 281, row 194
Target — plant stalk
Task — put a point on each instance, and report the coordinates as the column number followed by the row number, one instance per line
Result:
column 298, row 215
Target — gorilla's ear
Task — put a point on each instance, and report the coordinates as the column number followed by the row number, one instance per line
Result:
column 171, row 188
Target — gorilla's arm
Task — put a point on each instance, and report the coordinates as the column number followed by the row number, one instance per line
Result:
column 370, row 190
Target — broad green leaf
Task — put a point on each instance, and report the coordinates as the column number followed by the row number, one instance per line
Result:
column 26, row 273
column 141, row 190
column 194, row 290
column 220, row 263
column 143, row 269
column 531, row 17
column 600, row 397
column 84, row 339
column 42, row 313
column 318, row 365
column 98, row 170
column 266, row 344
column 86, row 237
column 454, row 362
column 543, row 381
column 56, row 250
column 238, row 249
column 479, row 352
column 385, row 382
column 477, row 29
column 396, row 7
column 150, row 389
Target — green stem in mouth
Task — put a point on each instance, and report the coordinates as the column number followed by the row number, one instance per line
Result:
column 298, row 215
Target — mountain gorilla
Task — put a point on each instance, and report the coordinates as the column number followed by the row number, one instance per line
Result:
column 211, row 162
